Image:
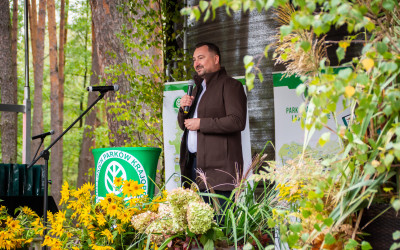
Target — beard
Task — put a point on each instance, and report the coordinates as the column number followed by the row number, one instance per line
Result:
column 200, row 71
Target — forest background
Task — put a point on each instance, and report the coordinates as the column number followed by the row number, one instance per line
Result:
column 74, row 44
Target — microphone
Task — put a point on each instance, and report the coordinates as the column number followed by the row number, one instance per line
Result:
column 189, row 93
column 43, row 135
column 103, row 88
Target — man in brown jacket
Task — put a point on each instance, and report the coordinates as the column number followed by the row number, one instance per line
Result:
column 212, row 128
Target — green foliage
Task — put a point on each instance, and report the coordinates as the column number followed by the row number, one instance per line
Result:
column 368, row 86
column 146, row 36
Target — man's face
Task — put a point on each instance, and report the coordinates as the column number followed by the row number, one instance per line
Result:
column 205, row 61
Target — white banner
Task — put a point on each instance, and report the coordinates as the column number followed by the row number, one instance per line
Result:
column 289, row 136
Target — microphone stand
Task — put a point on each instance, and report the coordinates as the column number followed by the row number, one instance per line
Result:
column 46, row 154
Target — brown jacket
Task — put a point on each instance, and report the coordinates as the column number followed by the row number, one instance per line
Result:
column 222, row 112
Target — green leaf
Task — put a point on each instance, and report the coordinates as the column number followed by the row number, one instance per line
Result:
column 247, row 60
column 203, row 5
column 300, row 89
column 292, row 239
column 305, row 45
column 388, row 160
column 324, row 138
column 269, row 4
column 305, row 213
column 260, row 76
column 396, row 235
column 319, row 207
column 209, row 245
column 189, row 233
column 195, row 13
column 328, row 222
column 351, row 245
column 396, row 205
column 329, row 239
column 365, row 245
column 260, row 4
column 370, row 26
column 296, row 228
column 250, row 80
column 340, row 53
column 204, row 239
column 381, row 47
column 246, row 6
column 266, row 50
column 345, row 73
column 305, row 237
column 271, row 223
column 388, row 4
column 207, row 15
column 285, row 30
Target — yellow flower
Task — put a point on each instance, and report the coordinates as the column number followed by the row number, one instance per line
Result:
column 6, row 235
column 132, row 188
column 57, row 225
column 100, row 219
column 110, row 198
column 52, row 242
column 120, row 229
column 96, row 247
column 87, row 187
column 112, row 209
column 118, row 181
column 124, row 217
column 64, row 193
column 92, row 236
column 12, row 224
column 108, row 234
column 133, row 202
column 3, row 209
column 37, row 226
column 349, row 91
column 29, row 212
column 367, row 63
column 85, row 216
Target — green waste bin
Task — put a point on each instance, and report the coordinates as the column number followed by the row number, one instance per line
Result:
column 130, row 163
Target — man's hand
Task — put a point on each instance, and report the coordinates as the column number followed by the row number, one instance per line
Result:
column 192, row 124
column 186, row 101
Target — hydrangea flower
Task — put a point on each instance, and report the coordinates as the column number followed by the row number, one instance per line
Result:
column 141, row 221
column 200, row 216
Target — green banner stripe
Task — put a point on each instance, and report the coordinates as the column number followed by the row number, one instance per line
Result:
column 242, row 80
column 173, row 87
column 293, row 81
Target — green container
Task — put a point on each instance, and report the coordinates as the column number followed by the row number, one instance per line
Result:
column 131, row 163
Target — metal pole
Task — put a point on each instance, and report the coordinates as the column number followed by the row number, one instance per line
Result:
column 26, row 130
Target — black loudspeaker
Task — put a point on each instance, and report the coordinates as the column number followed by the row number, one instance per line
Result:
column 33, row 202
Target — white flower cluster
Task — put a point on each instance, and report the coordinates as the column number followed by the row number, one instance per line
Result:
column 200, row 216
column 184, row 208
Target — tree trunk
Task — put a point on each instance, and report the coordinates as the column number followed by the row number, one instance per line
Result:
column 33, row 26
column 38, row 57
column 61, row 62
column 86, row 160
column 107, row 21
column 56, row 172
column 14, row 37
column 8, row 121
column 61, row 76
